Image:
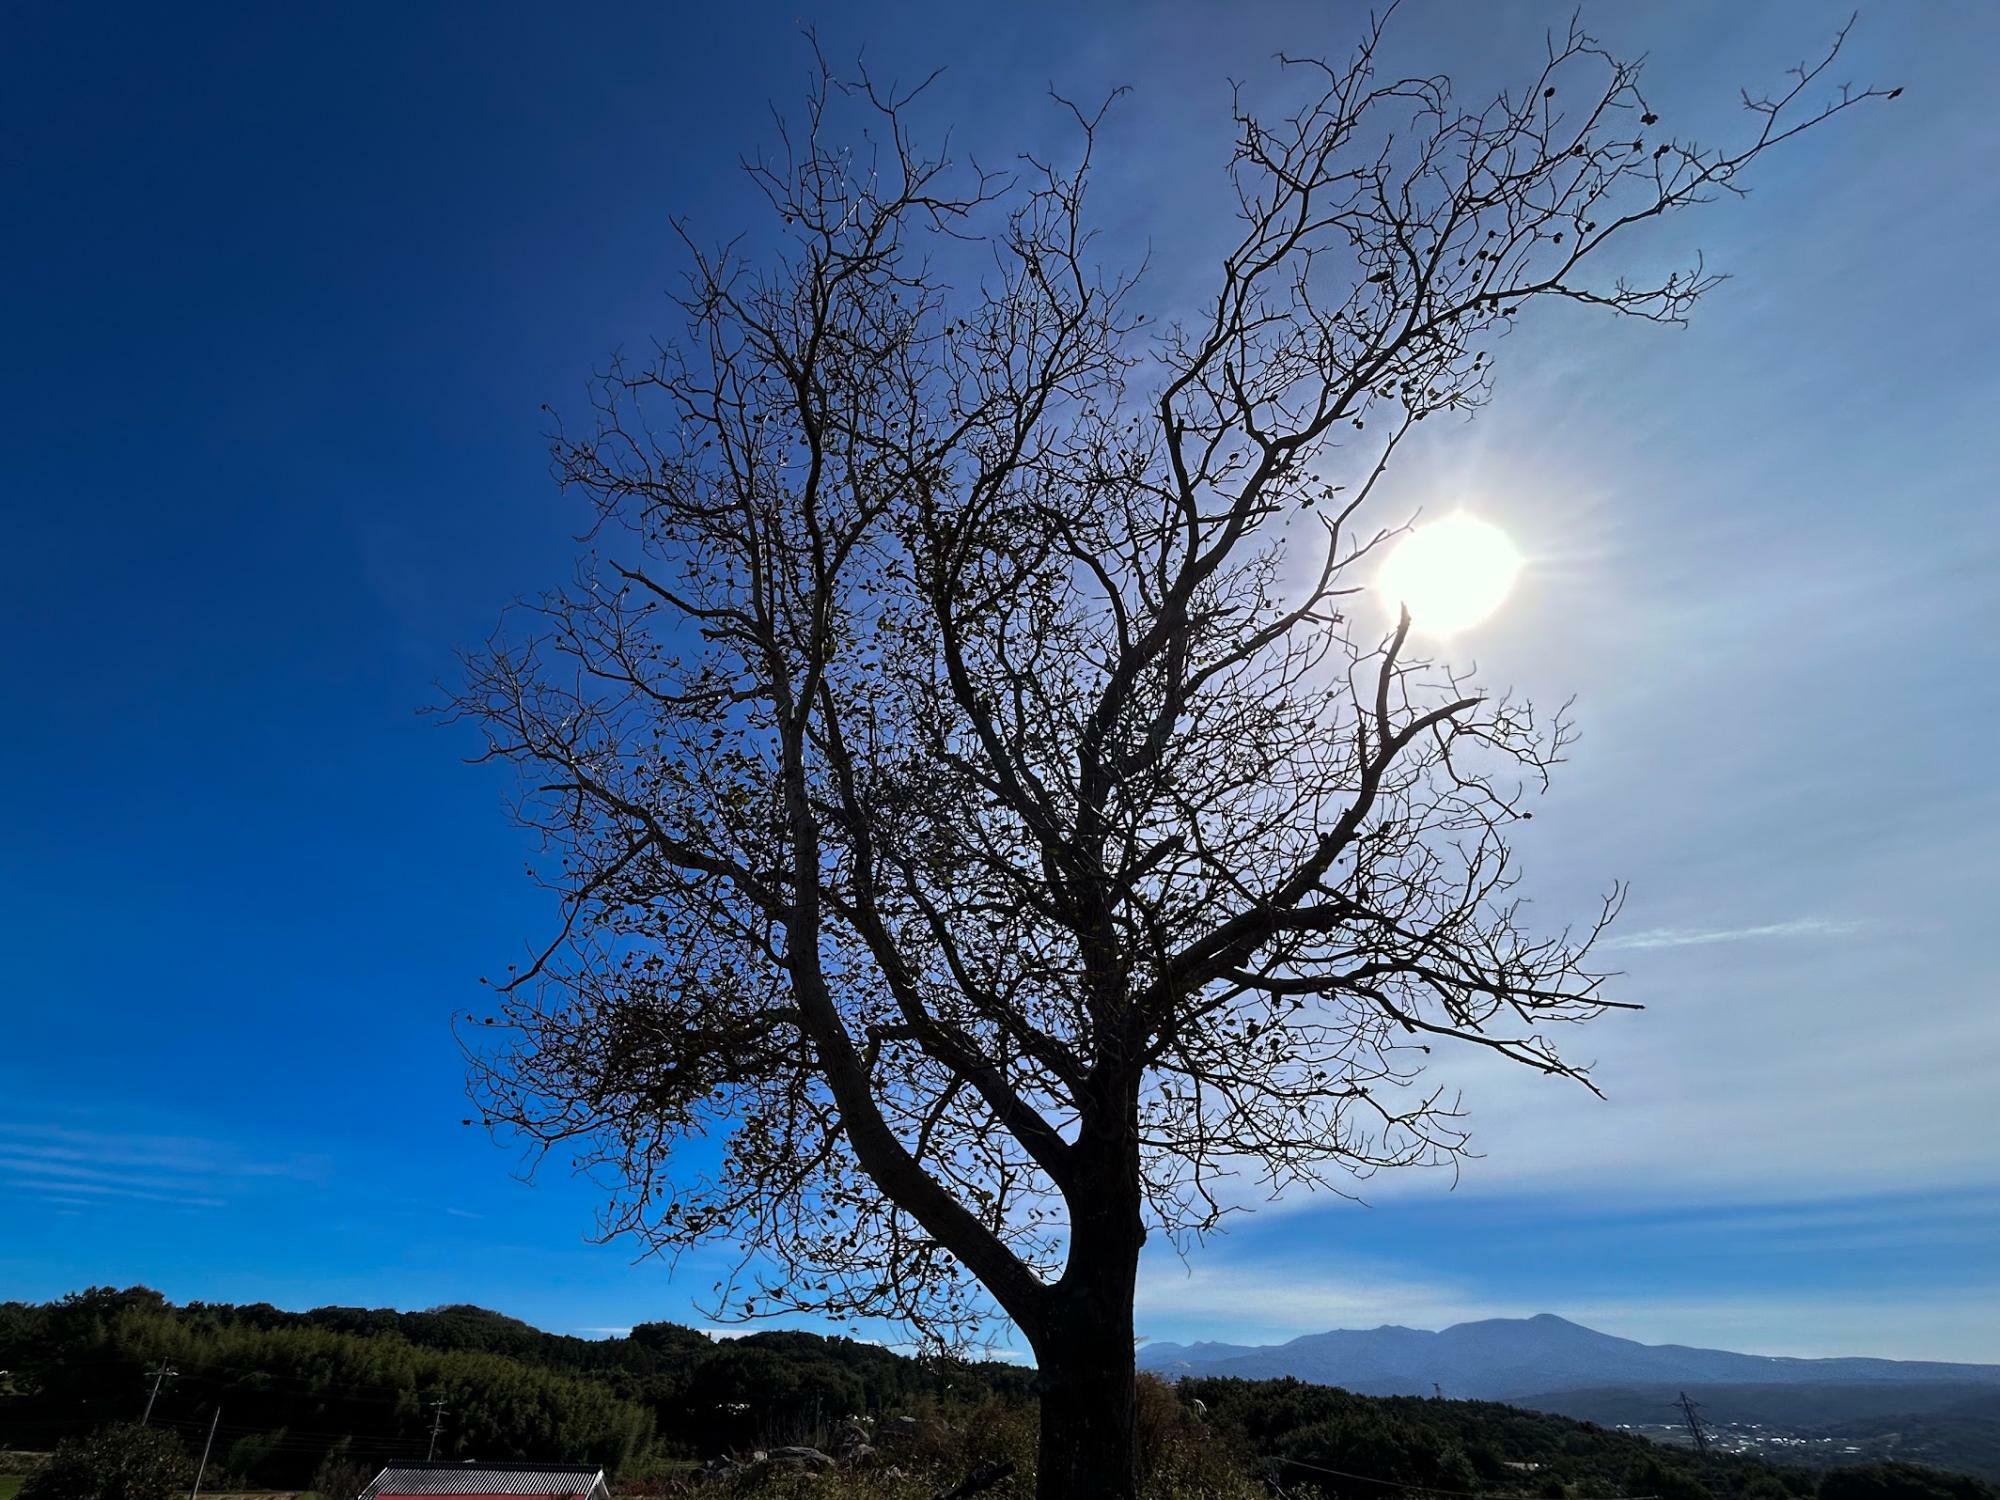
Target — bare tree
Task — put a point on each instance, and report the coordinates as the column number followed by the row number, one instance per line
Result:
column 974, row 815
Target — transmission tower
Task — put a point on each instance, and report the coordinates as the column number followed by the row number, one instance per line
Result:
column 1691, row 1414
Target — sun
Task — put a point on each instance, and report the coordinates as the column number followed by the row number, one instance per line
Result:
column 1450, row 574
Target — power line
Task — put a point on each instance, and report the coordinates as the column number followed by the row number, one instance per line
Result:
column 292, row 1439
column 425, row 1353
column 277, row 1423
column 193, row 1367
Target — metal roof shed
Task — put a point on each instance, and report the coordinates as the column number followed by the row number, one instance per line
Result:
column 474, row 1481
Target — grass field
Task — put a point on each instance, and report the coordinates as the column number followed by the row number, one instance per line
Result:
column 10, row 1485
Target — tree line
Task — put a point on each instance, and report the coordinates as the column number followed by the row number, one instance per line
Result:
column 320, row 1399
column 356, row 1387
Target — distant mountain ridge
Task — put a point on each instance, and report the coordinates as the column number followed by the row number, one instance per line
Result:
column 1500, row 1359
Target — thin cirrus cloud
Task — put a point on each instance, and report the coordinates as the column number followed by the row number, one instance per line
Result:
column 71, row 1168
column 68, row 1185
column 1701, row 937
column 101, row 1191
column 1248, row 1304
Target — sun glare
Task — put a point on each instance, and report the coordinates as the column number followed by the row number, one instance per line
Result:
column 1451, row 574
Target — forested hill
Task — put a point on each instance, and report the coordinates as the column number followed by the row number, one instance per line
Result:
column 354, row 1384
column 1418, row 1448
column 321, row 1399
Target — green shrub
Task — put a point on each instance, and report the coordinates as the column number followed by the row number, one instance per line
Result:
column 120, row 1462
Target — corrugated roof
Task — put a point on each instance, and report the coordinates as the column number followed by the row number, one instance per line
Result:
column 486, row 1479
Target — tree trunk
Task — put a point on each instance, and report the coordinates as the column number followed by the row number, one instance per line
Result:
column 1085, row 1347
column 1087, row 1373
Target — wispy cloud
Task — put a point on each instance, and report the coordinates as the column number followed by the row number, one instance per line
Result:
column 188, row 1154
column 1699, row 937
column 102, row 1190
column 463, row 1213
column 44, row 1160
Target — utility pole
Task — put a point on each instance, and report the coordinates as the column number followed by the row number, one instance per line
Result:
column 195, row 1493
column 437, row 1426
column 159, row 1378
column 1691, row 1413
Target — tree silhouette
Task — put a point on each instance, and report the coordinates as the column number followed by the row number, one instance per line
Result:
column 972, row 806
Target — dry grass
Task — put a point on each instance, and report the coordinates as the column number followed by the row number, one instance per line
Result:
column 1180, row 1459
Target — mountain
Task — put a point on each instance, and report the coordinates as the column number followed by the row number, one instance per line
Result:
column 1505, row 1359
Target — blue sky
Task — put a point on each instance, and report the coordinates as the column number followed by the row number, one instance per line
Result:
column 285, row 292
